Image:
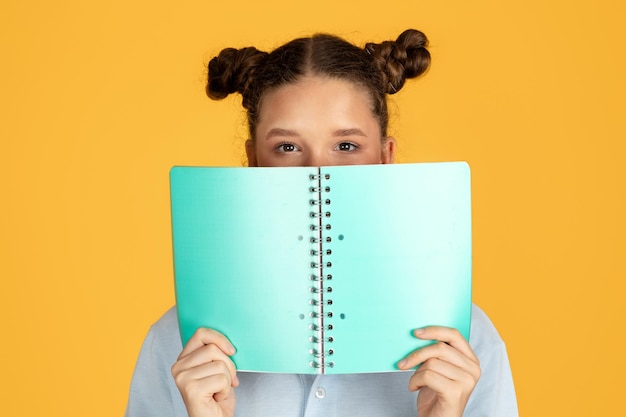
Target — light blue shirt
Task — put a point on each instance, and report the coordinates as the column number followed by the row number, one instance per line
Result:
column 153, row 392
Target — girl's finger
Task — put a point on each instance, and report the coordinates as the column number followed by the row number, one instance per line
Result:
column 204, row 336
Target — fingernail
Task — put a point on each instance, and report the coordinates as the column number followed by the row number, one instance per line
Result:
column 402, row 363
column 418, row 332
column 231, row 350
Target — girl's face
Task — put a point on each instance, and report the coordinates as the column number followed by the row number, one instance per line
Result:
column 318, row 121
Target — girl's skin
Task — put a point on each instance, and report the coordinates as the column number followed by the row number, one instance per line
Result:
column 314, row 122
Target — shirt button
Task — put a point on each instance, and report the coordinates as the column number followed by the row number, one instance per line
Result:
column 320, row 393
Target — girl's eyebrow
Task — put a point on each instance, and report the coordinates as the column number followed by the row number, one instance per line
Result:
column 348, row 132
column 281, row 133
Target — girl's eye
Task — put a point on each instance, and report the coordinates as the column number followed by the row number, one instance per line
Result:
column 286, row 147
column 346, row 147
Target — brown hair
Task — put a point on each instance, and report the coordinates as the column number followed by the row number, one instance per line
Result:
column 380, row 68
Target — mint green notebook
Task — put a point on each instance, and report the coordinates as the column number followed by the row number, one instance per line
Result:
column 322, row 270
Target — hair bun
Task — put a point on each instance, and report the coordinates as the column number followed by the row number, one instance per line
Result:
column 406, row 57
column 231, row 71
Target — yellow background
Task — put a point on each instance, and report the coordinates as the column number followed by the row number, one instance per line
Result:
column 99, row 99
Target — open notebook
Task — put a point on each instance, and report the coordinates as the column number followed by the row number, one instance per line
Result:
column 322, row 270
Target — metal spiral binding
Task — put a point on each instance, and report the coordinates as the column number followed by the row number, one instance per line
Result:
column 320, row 314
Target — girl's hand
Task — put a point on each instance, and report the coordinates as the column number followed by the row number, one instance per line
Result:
column 205, row 375
column 447, row 375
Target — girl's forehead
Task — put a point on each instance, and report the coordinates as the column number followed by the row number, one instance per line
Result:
column 311, row 89
column 314, row 95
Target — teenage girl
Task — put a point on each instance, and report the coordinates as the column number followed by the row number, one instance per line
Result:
column 312, row 102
